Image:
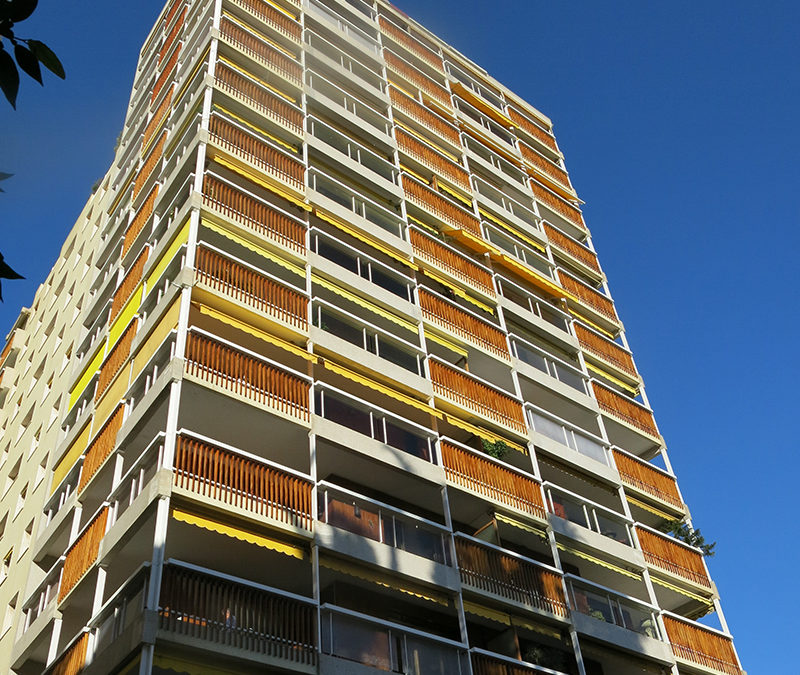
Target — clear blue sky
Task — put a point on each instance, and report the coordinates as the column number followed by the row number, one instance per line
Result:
column 679, row 122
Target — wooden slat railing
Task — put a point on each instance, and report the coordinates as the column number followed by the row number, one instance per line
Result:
column 624, row 408
column 158, row 117
column 101, row 447
column 411, row 44
column 546, row 167
column 641, row 475
column 241, row 482
column 605, row 349
column 433, row 160
column 510, row 577
column 421, row 81
column 128, row 285
column 534, row 130
column 167, row 75
column 271, row 160
column 253, row 214
column 139, row 220
column 416, row 111
column 176, row 5
column 664, row 552
column 7, row 349
column 173, row 34
column 198, row 604
column 573, row 248
column 260, row 50
column 459, row 266
column 82, row 554
column 476, row 396
column 493, row 481
column 251, row 288
column 74, row 659
column 586, row 294
column 486, row 665
column 151, row 163
column 563, row 208
column 465, row 325
column 242, row 374
column 444, row 210
column 271, row 16
column 266, row 102
column 701, row 646
column 116, row 359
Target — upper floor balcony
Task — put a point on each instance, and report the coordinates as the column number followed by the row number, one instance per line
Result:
column 534, row 305
column 274, row 16
column 644, row 479
column 598, row 306
column 416, row 79
column 425, row 120
column 484, row 663
column 443, row 209
column 584, row 256
column 634, row 416
column 565, row 211
column 700, row 648
column 480, row 93
column 533, row 129
column 545, row 362
column 608, row 352
column 548, row 171
column 355, row 30
column 411, row 44
column 442, row 165
column 666, row 554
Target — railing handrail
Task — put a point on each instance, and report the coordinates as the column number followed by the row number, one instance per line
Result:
column 313, row 118
column 311, row 33
column 247, row 76
column 134, row 467
column 568, row 425
column 37, row 591
column 649, row 465
column 505, row 551
column 472, row 376
column 573, row 580
column 98, row 615
column 392, row 214
column 447, row 198
column 672, row 540
column 460, row 308
column 478, row 179
column 483, row 120
column 450, row 248
column 614, row 514
column 548, row 355
column 216, row 112
column 697, row 624
column 491, row 460
column 314, row 73
column 350, row 24
column 550, row 307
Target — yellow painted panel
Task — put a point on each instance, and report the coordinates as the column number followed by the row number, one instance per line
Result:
column 108, row 403
column 651, row 509
column 88, row 374
column 68, row 461
column 534, row 278
column 682, row 591
column 180, row 239
column 238, row 533
column 154, row 340
column 125, row 317
column 180, row 666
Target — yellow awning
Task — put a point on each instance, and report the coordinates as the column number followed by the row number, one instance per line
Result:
column 589, row 322
column 601, row 563
column 512, row 230
column 383, row 389
column 68, row 460
column 254, row 247
column 365, row 238
column 238, row 533
column 634, row 391
column 180, row 239
column 484, row 433
column 508, row 520
column 180, row 666
column 478, row 102
column 366, row 304
column 255, row 332
column 263, row 83
column 258, row 179
column 487, row 613
column 682, row 591
column 534, row 278
column 447, row 344
column 650, row 509
column 475, row 243
column 455, row 195
column 461, row 293
column 382, row 580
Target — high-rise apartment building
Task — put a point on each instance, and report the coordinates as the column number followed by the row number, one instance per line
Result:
column 328, row 379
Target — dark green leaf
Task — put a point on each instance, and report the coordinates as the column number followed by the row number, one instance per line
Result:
column 19, row 10
column 9, row 77
column 47, row 58
column 28, row 62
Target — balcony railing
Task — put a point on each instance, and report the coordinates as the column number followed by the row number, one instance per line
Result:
column 378, row 424
column 459, row 266
column 273, row 17
column 418, row 79
column 253, row 618
column 561, row 431
column 572, row 247
column 73, row 659
column 419, row 113
column 388, row 646
column 588, row 514
column 533, row 303
column 442, row 208
column 251, row 287
column 510, row 576
column 625, row 409
column 158, row 117
column 487, row 127
column 487, row 664
column 42, row 597
column 242, row 481
column 598, row 301
column 128, row 285
column 506, row 204
column 150, row 165
column 605, row 349
column 101, row 447
column 533, row 129
column 253, row 214
column 604, row 604
column 321, row 86
column 350, row 31
column 365, row 76
column 436, row 162
column 496, row 481
column 167, row 74
column 382, row 523
column 245, row 374
column 667, row 554
column 115, row 359
column 140, row 219
column 649, row 479
column 464, row 324
column 475, row 395
column 410, row 43
column 522, row 252
column 547, row 167
column 237, row 139
column 83, row 553
column 266, row 101
column 257, row 47
column 172, row 36
column 701, row 646
column 540, row 359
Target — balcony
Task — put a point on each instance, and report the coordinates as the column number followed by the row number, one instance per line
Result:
column 549, row 170
column 598, row 303
column 488, row 664
column 73, row 659
column 151, row 164
column 83, row 553
column 442, row 166
column 585, row 256
column 161, row 113
column 101, row 447
column 417, row 79
column 274, row 17
column 535, row 305
column 566, row 210
column 347, row 29
column 626, row 409
column 669, row 555
column 246, row 375
column 167, row 73
column 385, row 646
column 265, row 624
column 141, row 218
column 251, row 287
column 244, row 87
column 492, row 480
column 533, row 130
column 440, row 207
column 700, row 647
column 426, row 119
column 606, row 350
column 411, row 44
column 648, row 480
column 466, row 391
column 115, row 360
column 253, row 214
column 484, row 128
column 128, row 285
column 490, row 570
column 448, row 260
column 246, row 483
column 508, row 207
column 538, row 358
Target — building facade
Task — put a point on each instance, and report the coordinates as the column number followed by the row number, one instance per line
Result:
column 328, row 379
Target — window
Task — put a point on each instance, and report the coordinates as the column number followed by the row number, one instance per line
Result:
column 5, row 566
